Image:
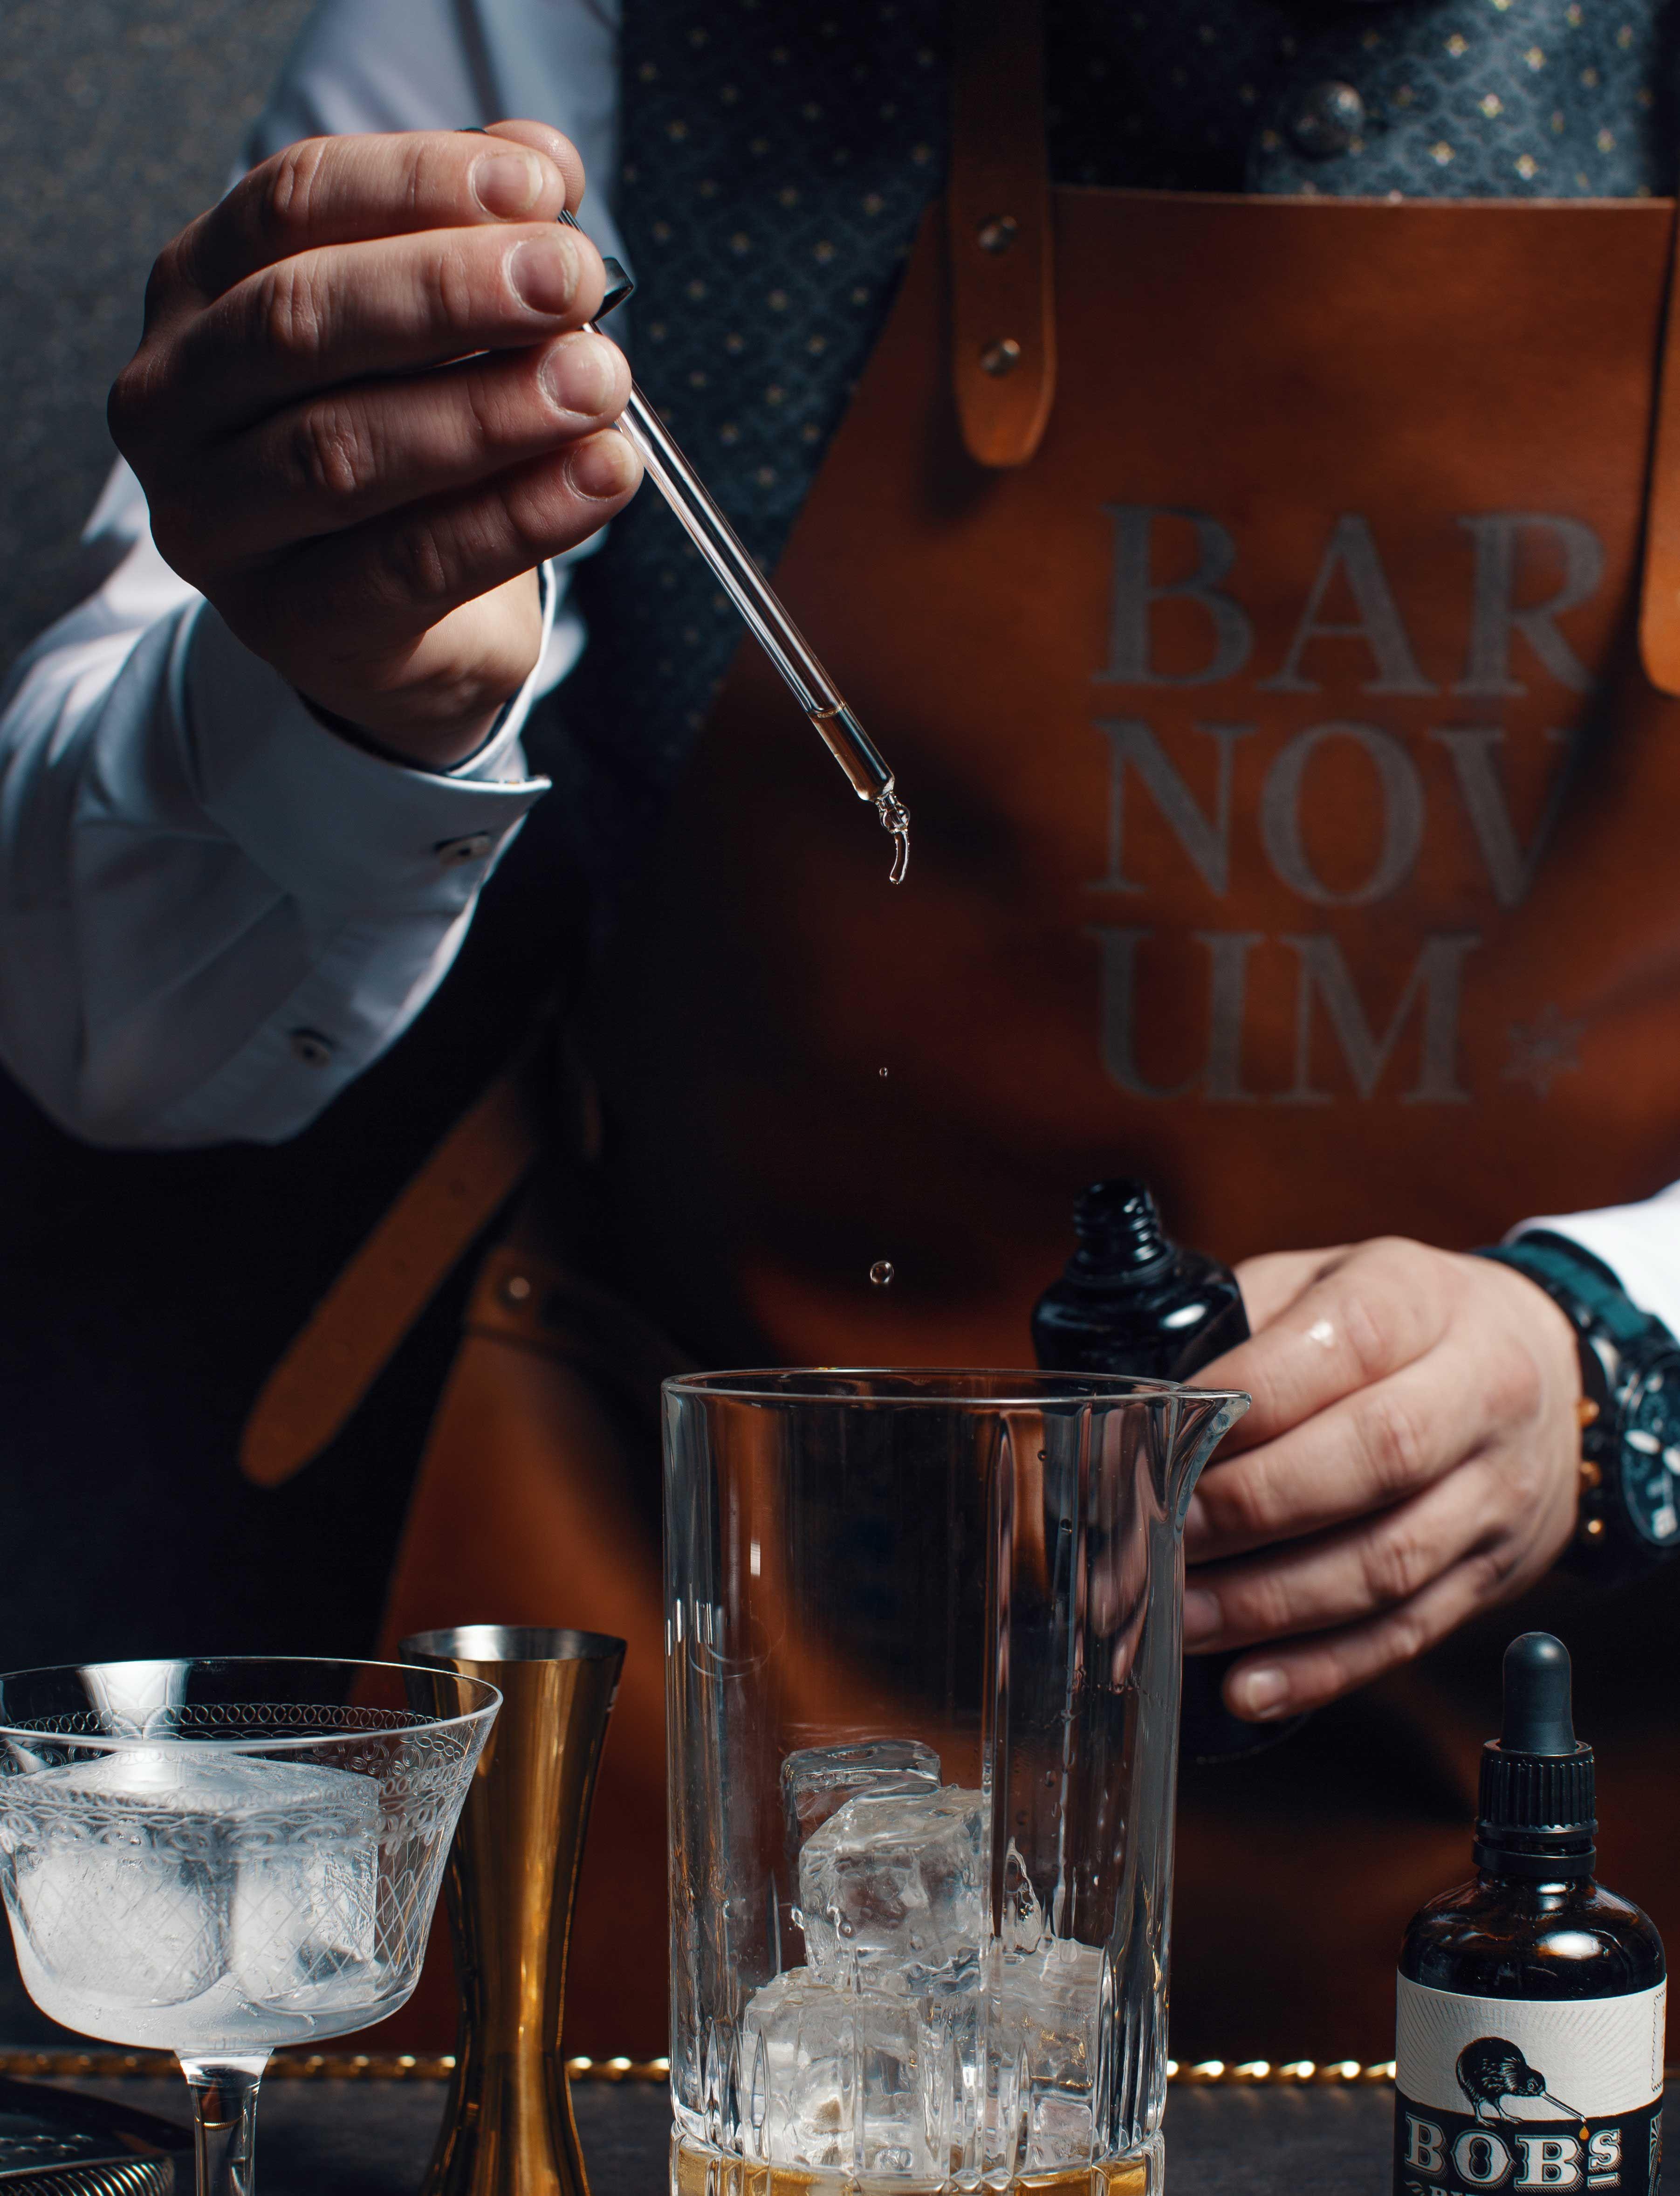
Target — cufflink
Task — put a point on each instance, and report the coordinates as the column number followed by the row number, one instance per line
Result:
column 310, row 1047
column 456, row 854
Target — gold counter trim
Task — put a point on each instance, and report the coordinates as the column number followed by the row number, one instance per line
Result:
column 408, row 2067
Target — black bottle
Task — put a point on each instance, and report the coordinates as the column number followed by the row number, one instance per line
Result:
column 1131, row 1301
column 1530, row 2044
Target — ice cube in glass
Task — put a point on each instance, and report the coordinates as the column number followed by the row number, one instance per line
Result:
column 1046, row 2016
column 817, row 1781
column 892, row 1881
column 112, row 1878
column 301, row 1930
column 829, row 2077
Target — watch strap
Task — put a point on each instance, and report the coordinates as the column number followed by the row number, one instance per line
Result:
column 1578, row 1282
column 1615, row 1341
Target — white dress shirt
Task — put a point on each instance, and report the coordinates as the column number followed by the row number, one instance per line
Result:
column 217, row 913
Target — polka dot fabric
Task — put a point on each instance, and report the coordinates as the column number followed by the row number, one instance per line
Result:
column 777, row 159
column 1450, row 98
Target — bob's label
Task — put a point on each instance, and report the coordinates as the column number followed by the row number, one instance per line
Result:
column 1523, row 2094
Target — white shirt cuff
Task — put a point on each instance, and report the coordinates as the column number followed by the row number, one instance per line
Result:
column 335, row 827
column 1639, row 1243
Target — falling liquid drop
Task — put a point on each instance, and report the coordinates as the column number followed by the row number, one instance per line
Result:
column 881, row 1272
column 883, row 1074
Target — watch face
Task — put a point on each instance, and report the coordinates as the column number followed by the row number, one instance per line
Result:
column 1650, row 1444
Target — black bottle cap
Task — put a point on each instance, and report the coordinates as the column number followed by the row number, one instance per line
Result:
column 1536, row 1817
column 1119, row 1228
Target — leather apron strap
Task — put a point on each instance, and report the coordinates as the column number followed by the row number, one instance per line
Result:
column 1004, row 298
column 359, row 1324
column 1660, row 588
column 524, row 1297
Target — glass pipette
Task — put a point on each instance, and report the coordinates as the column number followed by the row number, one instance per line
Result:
column 717, row 542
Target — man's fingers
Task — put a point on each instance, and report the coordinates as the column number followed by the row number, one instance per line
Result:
column 543, row 137
column 1377, row 1309
column 1272, row 1282
column 1373, row 1448
column 397, row 306
column 353, row 453
column 1346, row 1575
column 1307, row 1674
column 389, row 580
column 326, row 191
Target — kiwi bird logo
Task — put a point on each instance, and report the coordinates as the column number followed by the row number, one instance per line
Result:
column 1490, row 2070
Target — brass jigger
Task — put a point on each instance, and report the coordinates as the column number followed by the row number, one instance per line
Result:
column 508, row 2128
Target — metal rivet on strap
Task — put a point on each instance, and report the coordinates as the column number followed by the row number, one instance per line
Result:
column 1328, row 120
column 998, row 234
column 1002, row 357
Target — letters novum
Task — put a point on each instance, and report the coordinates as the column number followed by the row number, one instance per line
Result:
column 1192, row 631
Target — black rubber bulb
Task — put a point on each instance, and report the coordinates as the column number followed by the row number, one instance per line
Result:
column 1537, row 1715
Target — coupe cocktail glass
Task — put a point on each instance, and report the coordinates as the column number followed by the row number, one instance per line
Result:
column 923, row 1645
column 218, row 1856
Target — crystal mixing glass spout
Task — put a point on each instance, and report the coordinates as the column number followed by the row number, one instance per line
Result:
column 1203, row 1417
column 740, row 578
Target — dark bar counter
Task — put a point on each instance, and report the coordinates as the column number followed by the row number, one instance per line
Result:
column 345, row 2127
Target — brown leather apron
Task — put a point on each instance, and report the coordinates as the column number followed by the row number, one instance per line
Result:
column 1247, row 602
column 1272, row 840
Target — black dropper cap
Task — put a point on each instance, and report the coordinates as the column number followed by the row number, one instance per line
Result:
column 1536, row 1817
column 1118, row 1225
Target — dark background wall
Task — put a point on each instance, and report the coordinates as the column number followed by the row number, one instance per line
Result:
column 118, row 122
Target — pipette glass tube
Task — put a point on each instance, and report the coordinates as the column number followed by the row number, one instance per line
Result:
column 717, row 542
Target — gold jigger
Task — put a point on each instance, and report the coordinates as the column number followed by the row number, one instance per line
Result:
column 508, row 2128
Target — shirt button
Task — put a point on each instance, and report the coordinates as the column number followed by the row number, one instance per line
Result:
column 453, row 852
column 309, row 1046
column 1326, row 120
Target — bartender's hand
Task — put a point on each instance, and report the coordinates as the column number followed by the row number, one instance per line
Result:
column 364, row 514
column 1412, row 1457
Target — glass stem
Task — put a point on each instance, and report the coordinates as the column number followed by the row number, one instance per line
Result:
column 224, row 2120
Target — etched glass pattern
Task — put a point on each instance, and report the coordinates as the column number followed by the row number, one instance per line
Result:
column 216, row 1857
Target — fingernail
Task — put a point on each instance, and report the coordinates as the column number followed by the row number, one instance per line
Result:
column 507, row 183
column 1260, row 1693
column 543, row 271
column 1201, row 1614
column 603, row 466
column 580, row 374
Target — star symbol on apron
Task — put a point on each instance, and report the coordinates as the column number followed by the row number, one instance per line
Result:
column 1543, row 1050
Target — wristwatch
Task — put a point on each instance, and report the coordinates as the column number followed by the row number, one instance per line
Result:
column 1629, row 1519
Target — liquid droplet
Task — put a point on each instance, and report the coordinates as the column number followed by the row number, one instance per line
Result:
column 881, row 1272
column 883, row 1074
column 895, row 818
